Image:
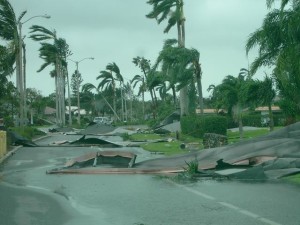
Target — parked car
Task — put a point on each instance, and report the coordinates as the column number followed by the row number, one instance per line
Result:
column 102, row 120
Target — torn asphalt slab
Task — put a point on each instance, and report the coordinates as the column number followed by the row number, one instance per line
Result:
column 279, row 149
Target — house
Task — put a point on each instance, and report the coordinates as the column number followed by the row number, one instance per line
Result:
column 49, row 111
column 210, row 111
column 264, row 112
column 74, row 110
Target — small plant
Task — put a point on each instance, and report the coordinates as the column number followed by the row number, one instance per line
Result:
column 192, row 167
column 125, row 136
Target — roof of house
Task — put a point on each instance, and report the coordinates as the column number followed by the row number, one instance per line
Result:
column 266, row 108
column 49, row 111
column 210, row 111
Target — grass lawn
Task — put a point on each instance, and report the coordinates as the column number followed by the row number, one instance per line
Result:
column 168, row 148
column 235, row 136
column 293, row 178
column 172, row 148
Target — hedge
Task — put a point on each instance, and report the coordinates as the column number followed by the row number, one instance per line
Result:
column 252, row 120
column 197, row 126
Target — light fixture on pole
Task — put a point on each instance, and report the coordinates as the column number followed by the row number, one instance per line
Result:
column 20, row 76
column 78, row 86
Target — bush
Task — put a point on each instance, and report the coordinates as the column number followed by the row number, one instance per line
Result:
column 197, row 126
column 27, row 132
column 252, row 120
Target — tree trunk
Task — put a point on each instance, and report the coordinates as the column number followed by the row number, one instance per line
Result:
column 153, row 104
column 174, row 96
column 143, row 99
column 271, row 118
column 199, row 86
column 240, row 121
column 181, row 42
column 183, row 101
column 56, row 100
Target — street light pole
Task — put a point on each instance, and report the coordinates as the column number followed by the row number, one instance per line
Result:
column 20, row 77
column 78, row 86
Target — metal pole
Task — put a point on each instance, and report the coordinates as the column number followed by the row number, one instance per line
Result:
column 21, row 79
column 78, row 94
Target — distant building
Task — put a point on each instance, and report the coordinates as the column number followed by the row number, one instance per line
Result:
column 49, row 111
column 210, row 111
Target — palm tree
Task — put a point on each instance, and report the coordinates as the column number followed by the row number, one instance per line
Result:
column 89, row 87
column 181, row 68
column 9, row 32
column 278, row 45
column 162, row 9
column 144, row 65
column 262, row 92
column 55, row 54
column 109, row 77
column 138, row 79
column 232, row 94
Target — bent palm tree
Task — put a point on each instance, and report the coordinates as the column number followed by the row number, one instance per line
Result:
column 162, row 9
column 55, row 54
column 9, row 32
column 108, row 78
column 181, row 66
column 138, row 79
column 278, row 45
column 89, row 87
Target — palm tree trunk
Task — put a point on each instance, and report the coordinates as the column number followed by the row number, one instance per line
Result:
column 181, row 42
column 240, row 121
column 56, row 100
column 153, row 104
column 199, row 86
column 174, row 96
column 143, row 97
column 271, row 117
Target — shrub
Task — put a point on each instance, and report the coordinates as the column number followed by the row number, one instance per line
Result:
column 197, row 126
column 252, row 120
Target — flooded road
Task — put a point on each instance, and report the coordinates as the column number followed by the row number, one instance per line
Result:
column 30, row 196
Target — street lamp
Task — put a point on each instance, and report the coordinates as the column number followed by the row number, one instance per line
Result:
column 21, row 73
column 78, row 86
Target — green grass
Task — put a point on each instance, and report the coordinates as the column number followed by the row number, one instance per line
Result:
column 235, row 136
column 167, row 148
column 143, row 137
column 294, row 179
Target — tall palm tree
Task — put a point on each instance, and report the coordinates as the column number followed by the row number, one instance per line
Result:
column 109, row 78
column 181, row 67
column 144, row 65
column 56, row 54
column 138, row 79
column 173, row 10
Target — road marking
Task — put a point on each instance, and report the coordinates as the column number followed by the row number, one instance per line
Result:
column 228, row 205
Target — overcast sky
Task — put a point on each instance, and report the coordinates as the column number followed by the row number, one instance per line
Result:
column 117, row 30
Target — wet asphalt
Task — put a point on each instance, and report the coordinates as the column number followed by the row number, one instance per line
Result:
column 30, row 196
